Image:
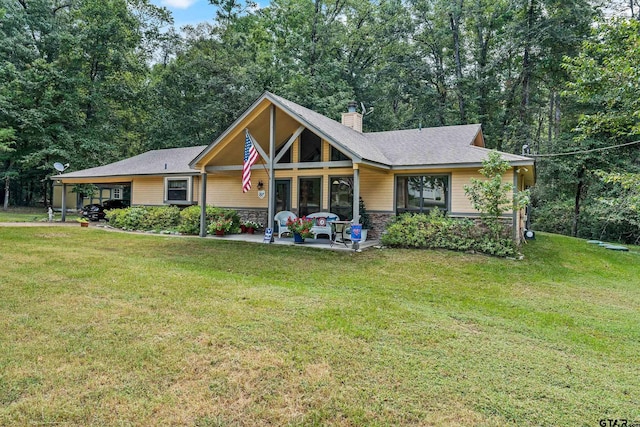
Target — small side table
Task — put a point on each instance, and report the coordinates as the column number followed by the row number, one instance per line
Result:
column 339, row 229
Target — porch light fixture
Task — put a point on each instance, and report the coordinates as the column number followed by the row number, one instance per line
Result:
column 341, row 182
column 260, row 185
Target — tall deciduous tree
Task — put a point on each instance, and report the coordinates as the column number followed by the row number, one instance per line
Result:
column 604, row 83
column 70, row 77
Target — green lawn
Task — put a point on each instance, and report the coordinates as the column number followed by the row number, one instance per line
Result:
column 23, row 215
column 104, row 328
column 30, row 215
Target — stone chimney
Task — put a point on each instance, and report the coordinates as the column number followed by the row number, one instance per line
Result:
column 352, row 118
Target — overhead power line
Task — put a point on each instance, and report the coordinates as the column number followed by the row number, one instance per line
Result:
column 584, row 151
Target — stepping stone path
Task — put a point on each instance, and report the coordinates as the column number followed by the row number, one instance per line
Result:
column 616, row 248
column 608, row 246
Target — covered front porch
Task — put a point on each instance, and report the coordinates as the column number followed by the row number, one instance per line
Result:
column 319, row 243
column 300, row 168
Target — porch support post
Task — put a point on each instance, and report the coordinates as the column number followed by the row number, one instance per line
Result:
column 203, row 205
column 272, row 174
column 356, row 194
column 64, row 203
column 515, row 232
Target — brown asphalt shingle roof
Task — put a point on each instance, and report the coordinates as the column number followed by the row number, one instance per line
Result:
column 445, row 145
column 427, row 147
column 171, row 161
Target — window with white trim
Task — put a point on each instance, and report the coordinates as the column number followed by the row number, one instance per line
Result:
column 177, row 189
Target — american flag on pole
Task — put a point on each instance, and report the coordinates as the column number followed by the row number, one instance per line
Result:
column 250, row 157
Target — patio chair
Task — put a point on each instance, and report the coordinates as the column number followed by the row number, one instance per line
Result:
column 281, row 219
column 322, row 224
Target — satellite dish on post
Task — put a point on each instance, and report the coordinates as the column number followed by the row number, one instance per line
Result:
column 60, row 167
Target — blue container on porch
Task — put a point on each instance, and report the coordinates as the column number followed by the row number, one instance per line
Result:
column 356, row 232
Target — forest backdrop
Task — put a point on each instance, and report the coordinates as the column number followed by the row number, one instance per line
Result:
column 89, row 82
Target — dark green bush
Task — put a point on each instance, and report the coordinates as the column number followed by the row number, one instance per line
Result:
column 115, row 217
column 145, row 218
column 127, row 219
column 437, row 231
column 554, row 217
column 190, row 220
column 160, row 218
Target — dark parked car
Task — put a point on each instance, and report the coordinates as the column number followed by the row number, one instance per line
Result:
column 95, row 212
column 115, row 204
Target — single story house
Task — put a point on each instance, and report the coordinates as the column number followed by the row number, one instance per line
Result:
column 310, row 163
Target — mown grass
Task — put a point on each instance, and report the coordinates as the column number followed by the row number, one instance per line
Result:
column 21, row 214
column 102, row 328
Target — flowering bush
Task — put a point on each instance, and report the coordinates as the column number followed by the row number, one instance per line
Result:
column 301, row 226
column 252, row 224
column 220, row 224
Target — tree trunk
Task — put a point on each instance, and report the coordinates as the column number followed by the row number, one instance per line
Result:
column 5, row 206
column 45, row 193
column 558, row 116
column 314, row 38
column 576, row 207
column 454, row 20
column 526, row 63
column 441, row 87
column 526, row 74
column 552, row 104
column 483, row 91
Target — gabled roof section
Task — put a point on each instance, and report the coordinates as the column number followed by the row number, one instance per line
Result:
column 445, row 145
column 339, row 135
column 453, row 146
column 352, row 143
column 171, row 161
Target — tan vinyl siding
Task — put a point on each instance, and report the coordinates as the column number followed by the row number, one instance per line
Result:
column 459, row 201
column 226, row 190
column 376, row 189
column 71, row 200
column 326, row 153
column 147, row 190
column 295, row 150
column 195, row 192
